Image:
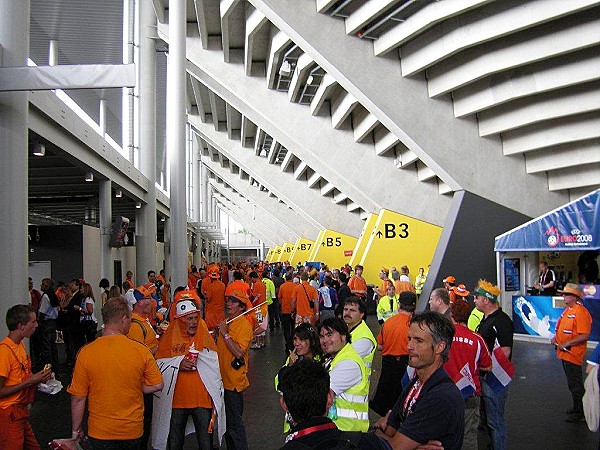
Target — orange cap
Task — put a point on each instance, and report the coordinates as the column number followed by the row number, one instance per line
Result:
column 449, row 279
column 461, row 290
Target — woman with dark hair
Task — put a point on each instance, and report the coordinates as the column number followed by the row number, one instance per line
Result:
column 306, row 346
column 104, row 285
column 89, row 323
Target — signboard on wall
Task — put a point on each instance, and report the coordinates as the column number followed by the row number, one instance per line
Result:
column 512, row 274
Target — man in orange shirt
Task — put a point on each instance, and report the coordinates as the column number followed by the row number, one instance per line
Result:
column 232, row 345
column 141, row 331
column 259, row 295
column 17, row 383
column 392, row 341
column 193, row 278
column 572, row 333
column 285, row 300
column 213, row 291
column 113, row 360
column 302, row 297
column 188, row 359
column 238, row 284
column 357, row 284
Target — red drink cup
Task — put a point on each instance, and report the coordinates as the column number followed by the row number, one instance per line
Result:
column 192, row 356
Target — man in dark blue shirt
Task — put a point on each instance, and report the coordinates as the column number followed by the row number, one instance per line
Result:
column 431, row 407
column 306, row 398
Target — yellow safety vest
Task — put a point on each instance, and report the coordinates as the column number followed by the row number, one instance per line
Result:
column 362, row 331
column 352, row 406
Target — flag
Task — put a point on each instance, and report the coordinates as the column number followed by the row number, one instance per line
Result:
column 502, row 370
column 408, row 376
column 464, row 381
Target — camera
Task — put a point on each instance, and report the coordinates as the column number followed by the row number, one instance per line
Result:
column 237, row 363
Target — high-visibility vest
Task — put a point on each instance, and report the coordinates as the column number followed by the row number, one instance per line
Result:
column 362, row 331
column 352, row 406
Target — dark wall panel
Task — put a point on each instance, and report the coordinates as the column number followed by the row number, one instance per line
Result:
column 466, row 247
column 60, row 244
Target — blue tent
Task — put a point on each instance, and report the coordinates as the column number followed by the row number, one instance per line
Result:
column 572, row 227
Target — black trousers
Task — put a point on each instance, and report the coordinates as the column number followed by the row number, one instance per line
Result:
column 574, row 376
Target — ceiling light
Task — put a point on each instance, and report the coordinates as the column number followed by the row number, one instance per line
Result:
column 310, row 79
column 39, row 150
column 285, row 69
column 89, row 176
column 119, row 193
column 162, row 219
column 138, row 205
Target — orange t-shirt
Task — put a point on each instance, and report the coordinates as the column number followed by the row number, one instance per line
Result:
column 15, row 367
column 240, row 331
column 285, row 296
column 393, row 335
column 573, row 322
column 190, row 391
column 193, row 280
column 110, row 372
column 259, row 292
column 358, row 286
column 136, row 333
column 302, row 298
column 403, row 286
column 214, row 306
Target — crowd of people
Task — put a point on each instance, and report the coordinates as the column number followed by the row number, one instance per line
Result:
column 185, row 354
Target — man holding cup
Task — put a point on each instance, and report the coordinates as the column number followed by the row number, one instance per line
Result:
column 188, row 360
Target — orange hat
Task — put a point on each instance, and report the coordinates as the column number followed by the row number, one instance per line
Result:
column 213, row 271
column 240, row 297
column 186, row 302
column 573, row 289
column 144, row 292
column 449, row 279
column 461, row 290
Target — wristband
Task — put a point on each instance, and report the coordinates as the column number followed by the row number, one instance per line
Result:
column 75, row 433
column 226, row 336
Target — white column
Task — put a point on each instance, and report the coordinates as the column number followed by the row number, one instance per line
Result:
column 105, row 219
column 145, row 227
column 204, row 191
column 102, row 114
column 14, row 37
column 176, row 140
column 53, row 53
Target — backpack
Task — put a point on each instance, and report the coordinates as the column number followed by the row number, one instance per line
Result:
column 346, row 440
column 141, row 324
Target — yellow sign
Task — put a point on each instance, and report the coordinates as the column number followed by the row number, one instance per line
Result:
column 313, row 252
column 363, row 239
column 334, row 249
column 276, row 254
column 286, row 251
column 269, row 255
column 302, row 251
column 397, row 240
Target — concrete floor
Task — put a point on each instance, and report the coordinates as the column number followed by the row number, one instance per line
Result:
column 535, row 409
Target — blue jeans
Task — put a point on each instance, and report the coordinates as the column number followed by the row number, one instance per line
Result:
column 179, row 418
column 493, row 415
column 235, row 436
column 105, row 444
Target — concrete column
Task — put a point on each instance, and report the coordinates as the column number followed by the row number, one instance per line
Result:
column 146, row 216
column 204, row 189
column 53, row 53
column 195, row 197
column 105, row 219
column 168, row 267
column 14, row 36
column 176, row 121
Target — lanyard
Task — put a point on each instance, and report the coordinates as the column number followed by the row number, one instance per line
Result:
column 309, row 430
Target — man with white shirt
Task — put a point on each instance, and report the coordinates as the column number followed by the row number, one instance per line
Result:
column 363, row 340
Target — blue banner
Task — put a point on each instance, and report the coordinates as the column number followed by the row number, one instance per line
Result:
column 537, row 316
column 575, row 227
